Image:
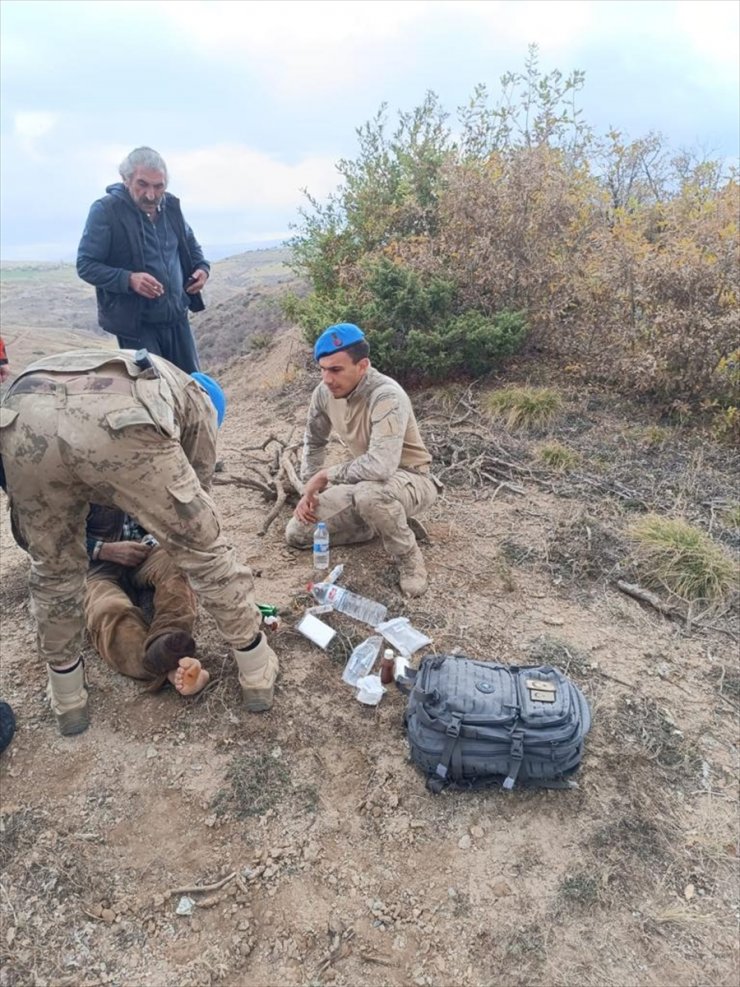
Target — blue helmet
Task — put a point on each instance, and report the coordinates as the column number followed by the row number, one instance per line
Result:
column 337, row 338
column 214, row 392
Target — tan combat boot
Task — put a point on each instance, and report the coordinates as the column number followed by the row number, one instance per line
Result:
column 258, row 670
column 69, row 700
column 412, row 573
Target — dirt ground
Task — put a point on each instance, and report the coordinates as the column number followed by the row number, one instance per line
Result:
column 336, row 866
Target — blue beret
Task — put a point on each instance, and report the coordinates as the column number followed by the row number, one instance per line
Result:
column 337, row 338
column 214, row 392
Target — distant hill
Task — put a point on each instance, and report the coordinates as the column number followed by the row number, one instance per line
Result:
column 241, row 299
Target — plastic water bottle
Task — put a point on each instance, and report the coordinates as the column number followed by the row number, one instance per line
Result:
column 359, row 607
column 321, row 546
column 362, row 659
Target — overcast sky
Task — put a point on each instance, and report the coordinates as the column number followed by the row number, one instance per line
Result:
column 249, row 102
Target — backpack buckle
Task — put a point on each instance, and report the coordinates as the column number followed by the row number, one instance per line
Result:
column 516, row 754
column 453, row 729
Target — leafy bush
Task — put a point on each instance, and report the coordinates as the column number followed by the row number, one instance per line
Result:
column 624, row 257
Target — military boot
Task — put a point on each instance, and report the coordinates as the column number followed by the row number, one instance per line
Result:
column 69, row 700
column 258, row 668
column 412, row 573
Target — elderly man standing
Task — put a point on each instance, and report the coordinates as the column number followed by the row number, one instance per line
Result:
column 138, row 434
column 387, row 478
column 147, row 267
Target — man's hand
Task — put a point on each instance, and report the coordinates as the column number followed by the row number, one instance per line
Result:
column 145, row 285
column 197, row 280
column 308, row 504
column 130, row 553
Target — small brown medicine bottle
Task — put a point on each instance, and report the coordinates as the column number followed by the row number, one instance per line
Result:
column 387, row 663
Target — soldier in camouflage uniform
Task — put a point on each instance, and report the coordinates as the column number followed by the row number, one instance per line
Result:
column 386, row 481
column 92, row 426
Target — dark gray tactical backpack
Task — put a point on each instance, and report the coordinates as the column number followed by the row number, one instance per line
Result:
column 473, row 723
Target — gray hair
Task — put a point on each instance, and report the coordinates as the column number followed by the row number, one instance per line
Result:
column 142, row 157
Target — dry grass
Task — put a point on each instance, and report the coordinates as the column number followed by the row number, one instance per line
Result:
column 557, row 457
column 675, row 555
column 524, row 408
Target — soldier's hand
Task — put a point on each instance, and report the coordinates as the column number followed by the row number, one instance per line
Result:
column 145, row 285
column 196, row 281
column 128, row 553
column 305, row 510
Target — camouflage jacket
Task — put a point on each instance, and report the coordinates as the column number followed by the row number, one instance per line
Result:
column 375, row 424
column 173, row 401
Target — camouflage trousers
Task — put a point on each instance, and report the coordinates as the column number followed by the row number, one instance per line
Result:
column 118, row 628
column 356, row 512
column 66, row 447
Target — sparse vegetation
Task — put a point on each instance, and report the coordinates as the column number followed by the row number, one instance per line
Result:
column 258, row 782
column 524, row 407
column 675, row 555
column 579, row 889
column 557, row 457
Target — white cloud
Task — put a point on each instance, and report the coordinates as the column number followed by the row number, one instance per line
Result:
column 30, row 128
column 296, row 45
column 33, row 125
column 710, row 27
column 234, row 176
column 550, row 24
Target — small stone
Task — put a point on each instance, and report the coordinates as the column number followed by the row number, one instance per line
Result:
column 108, row 915
column 418, row 824
column 151, row 752
column 465, row 842
column 476, row 832
column 96, row 910
column 689, row 891
column 501, row 888
column 211, row 821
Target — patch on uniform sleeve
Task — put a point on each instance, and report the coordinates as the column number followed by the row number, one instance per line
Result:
column 386, row 418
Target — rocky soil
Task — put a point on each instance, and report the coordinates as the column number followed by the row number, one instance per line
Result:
column 306, row 839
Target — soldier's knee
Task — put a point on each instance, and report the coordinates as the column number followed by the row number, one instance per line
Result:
column 298, row 535
column 368, row 498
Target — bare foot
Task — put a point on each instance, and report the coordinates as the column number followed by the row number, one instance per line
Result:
column 189, row 678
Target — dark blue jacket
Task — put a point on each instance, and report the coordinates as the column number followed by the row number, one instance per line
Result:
column 114, row 244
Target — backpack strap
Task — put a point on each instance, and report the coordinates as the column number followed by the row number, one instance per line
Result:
column 439, row 778
column 516, row 754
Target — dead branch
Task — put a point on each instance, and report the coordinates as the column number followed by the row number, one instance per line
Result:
column 203, row 887
column 632, row 589
column 244, row 481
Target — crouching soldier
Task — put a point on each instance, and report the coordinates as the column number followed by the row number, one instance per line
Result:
column 103, row 427
column 386, row 478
